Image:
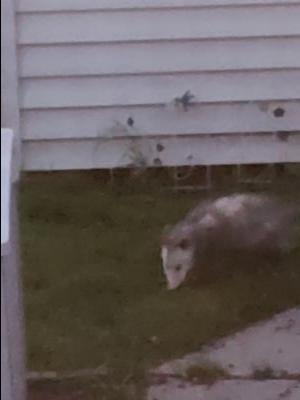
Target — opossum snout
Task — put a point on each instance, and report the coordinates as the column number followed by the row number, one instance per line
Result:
column 175, row 277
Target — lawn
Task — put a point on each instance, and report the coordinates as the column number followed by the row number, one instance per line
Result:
column 94, row 290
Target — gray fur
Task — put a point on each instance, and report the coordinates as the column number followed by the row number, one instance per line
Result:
column 246, row 224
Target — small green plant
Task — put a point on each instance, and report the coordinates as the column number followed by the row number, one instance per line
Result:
column 267, row 372
column 264, row 372
column 207, row 373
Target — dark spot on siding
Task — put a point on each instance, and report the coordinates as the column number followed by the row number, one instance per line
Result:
column 279, row 112
column 160, row 147
column 130, row 121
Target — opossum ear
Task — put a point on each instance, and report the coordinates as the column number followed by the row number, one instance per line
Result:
column 184, row 244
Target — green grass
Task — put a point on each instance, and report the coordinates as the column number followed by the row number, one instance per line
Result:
column 94, row 289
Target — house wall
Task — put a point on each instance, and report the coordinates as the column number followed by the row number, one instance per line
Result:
column 98, row 82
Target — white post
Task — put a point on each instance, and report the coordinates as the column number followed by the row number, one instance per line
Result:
column 10, row 110
column 12, row 326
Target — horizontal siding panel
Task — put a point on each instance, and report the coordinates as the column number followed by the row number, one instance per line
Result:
column 81, row 5
column 72, row 27
column 157, row 57
column 89, row 154
column 99, row 78
column 156, row 121
column 160, row 89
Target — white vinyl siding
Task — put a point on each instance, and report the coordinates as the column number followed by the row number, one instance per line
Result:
column 87, row 67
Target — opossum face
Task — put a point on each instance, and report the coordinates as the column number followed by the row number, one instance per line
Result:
column 178, row 249
column 177, row 260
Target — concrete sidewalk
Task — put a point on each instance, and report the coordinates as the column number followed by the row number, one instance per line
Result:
column 260, row 363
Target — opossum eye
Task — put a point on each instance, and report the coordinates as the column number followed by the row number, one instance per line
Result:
column 178, row 268
column 184, row 244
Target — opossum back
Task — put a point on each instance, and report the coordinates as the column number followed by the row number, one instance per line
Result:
column 228, row 206
column 236, row 221
column 262, row 224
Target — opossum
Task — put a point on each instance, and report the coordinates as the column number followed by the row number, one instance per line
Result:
column 240, row 223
